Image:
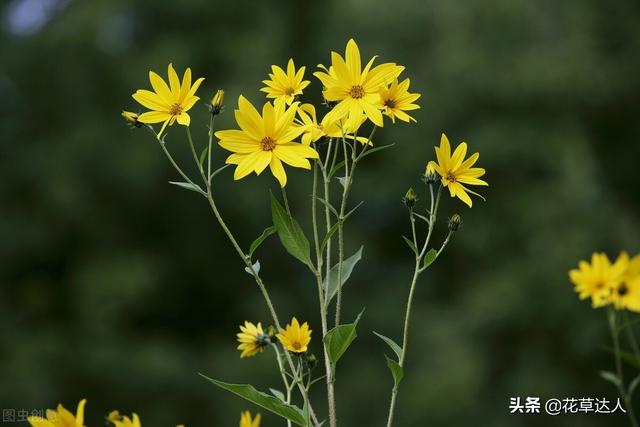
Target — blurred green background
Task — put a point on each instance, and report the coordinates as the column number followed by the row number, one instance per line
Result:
column 118, row 287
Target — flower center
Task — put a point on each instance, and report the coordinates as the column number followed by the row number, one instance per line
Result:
column 356, row 92
column 623, row 290
column 175, row 110
column 289, row 91
column 450, row 177
column 267, row 144
column 296, row 345
column 391, row 103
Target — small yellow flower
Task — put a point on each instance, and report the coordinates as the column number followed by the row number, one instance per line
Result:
column 131, row 118
column 284, row 87
column 61, row 417
column 598, row 279
column 247, row 421
column 168, row 103
column 313, row 130
column 216, row 102
column 627, row 295
column 355, row 89
column 295, row 338
column 265, row 140
column 252, row 339
column 123, row 421
column 396, row 99
column 456, row 171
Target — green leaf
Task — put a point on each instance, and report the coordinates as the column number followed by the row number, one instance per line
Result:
column 256, row 243
column 330, row 233
column 277, row 393
column 348, row 214
column 611, row 377
column 395, row 347
column 629, row 358
column 187, row 186
column 411, row 245
column 396, row 371
column 347, row 268
column 338, row 339
column 328, row 205
column 336, row 168
column 373, row 150
column 203, row 156
column 291, row 235
column 430, row 257
column 264, row 400
column 634, row 384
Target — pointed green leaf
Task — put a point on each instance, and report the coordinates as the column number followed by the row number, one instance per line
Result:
column 330, row 233
column 264, row 400
column 411, row 245
column 256, row 243
column 347, row 269
column 338, row 339
column 373, row 150
column 291, row 235
column 633, row 385
column 187, row 186
column 395, row 347
column 203, row 156
column 336, row 168
column 430, row 257
column 277, row 393
column 611, row 377
column 396, row 371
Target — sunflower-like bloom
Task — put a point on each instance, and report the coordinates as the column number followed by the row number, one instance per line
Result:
column 627, row 295
column 168, row 103
column 356, row 89
column 61, row 417
column 313, row 130
column 598, row 279
column 396, row 99
column 284, row 87
column 455, row 171
column 294, row 337
column 252, row 339
column 247, row 421
column 123, row 421
column 265, row 140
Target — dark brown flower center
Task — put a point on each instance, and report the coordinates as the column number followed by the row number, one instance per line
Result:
column 289, row 91
column 175, row 110
column 267, row 144
column 296, row 345
column 623, row 290
column 356, row 92
column 391, row 103
column 450, row 177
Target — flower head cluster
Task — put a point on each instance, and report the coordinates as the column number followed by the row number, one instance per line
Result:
column 455, row 171
column 607, row 283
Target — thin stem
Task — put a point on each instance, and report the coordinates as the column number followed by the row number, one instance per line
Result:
column 195, row 157
column 283, row 374
column 619, row 372
column 631, row 336
column 177, row 168
column 211, row 120
column 286, row 200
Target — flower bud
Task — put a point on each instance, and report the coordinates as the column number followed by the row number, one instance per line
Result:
column 455, row 222
column 131, row 119
column 312, row 361
column 271, row 331
column 409, row 198
column 430, row 176
column 216, row 102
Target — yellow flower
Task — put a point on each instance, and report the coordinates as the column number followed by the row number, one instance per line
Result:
column 295, row 338
column 627, row 295
column 284, row 87
column 633, row 269
column 246, row 421
column 131, row 118
column 252, row 339
column 216, row 102
column 313, row 130
column 168, row 103
column 596, row 280
column 356, row 89
column 396, row 99
column 123, row 421
column 456, row 171
column 61, row 417
column 265, row 140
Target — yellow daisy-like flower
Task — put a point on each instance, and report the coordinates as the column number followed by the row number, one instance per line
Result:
column 627, row 295
column 284, row 87
column 313, row 130
column 455, row 171
column 247, row 421
column 252, row 339
column 396, row 99
column 61, row 417
column 598, row 279
column 356, row 89
column 633, row 269
column 295, row 338
column 265, row 140
column 123, row 421
column 168, row 103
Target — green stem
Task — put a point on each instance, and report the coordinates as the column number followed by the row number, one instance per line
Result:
column 283, row 374
column 631, row 336
column 286, row 200
column 619, row 372
column 211, row 120
column 196, row 159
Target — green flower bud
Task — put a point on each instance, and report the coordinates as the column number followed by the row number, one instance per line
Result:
column 216, row 102
column 455, row 222
column 410, row 198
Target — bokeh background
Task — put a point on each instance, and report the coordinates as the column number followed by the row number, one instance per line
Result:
column 120, row 288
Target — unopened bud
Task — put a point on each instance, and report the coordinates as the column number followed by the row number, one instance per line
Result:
column 409, row 198
column 131, row 119
column 312, row 361
column 216, row 102
column 455, row 222
column 430, row 176
column 271, row 331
